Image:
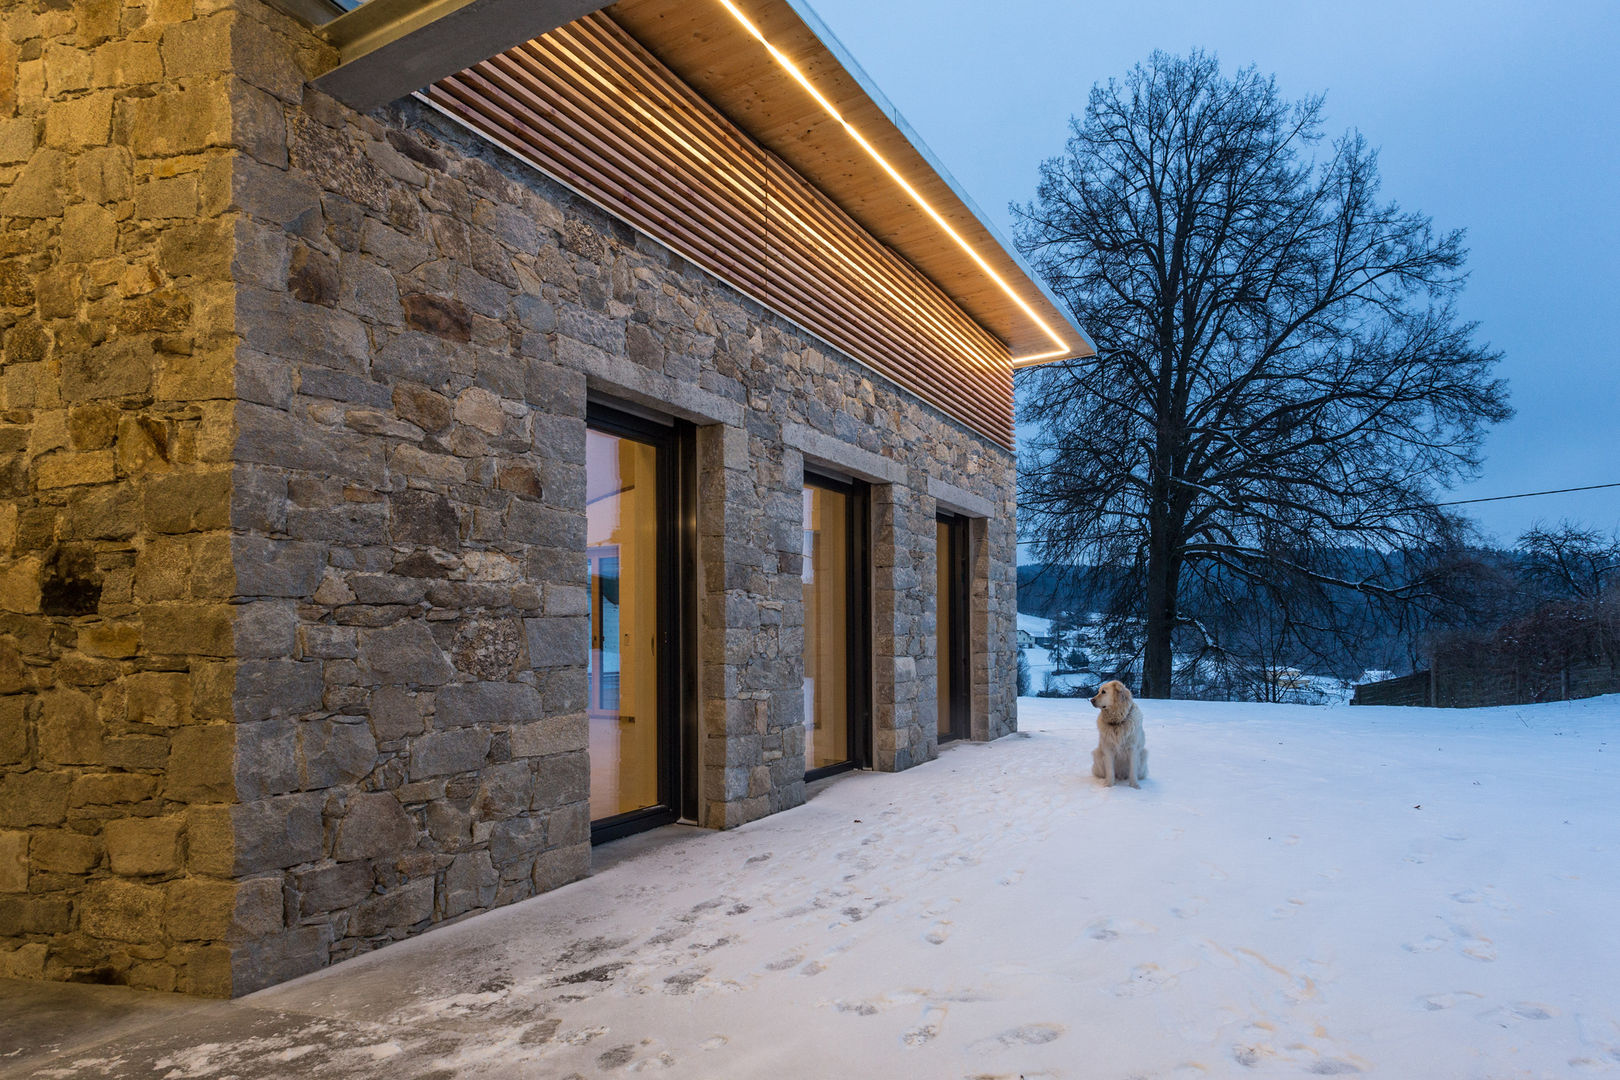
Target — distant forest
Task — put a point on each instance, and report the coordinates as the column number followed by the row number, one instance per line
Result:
column 1555, row 593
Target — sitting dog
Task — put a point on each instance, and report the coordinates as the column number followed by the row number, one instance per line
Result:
column 1121, row 743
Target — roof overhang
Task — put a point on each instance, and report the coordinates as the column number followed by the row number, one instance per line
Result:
column 776, row 71
column 390, row 48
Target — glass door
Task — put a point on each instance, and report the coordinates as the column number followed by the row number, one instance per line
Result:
column 951, row 626
column 634, row 739
column 837, row 695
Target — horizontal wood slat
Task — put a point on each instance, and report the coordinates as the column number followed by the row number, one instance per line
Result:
column 591, row 107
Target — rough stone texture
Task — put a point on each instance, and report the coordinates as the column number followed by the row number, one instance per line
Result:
column 293, row 609
column 118, row 127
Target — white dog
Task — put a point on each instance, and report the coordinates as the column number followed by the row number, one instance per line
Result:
column 1121, row 743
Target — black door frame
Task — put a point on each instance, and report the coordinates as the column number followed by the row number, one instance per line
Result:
column 959, row 635
column 677, row 535
column 858, row 639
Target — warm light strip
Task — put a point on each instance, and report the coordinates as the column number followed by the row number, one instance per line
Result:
column 827, row 106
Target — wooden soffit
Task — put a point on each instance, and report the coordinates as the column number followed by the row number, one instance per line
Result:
column 707, row 44
column 593, row 108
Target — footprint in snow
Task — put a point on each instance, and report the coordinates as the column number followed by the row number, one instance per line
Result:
column 933, row 1017
column 583, row 1035
column 1188, row 907
column 1436, row 1002
column 1488, row 895
column 939, row 934
column 1288, row 910
column 1478, row 948
column 1109, row 929
column 682, row 982
column 663, row 1060
column 1250, row 1057
column 616, row 1058
column 1023, row 1035
column 541, row 1032
column 1145, row 979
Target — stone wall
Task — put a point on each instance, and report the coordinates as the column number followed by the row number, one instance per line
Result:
column 302, row 393
column 424, row 341
column 116, row 635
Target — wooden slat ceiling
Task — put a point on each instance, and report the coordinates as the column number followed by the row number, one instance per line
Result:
column 588, row 104
column 701, row 43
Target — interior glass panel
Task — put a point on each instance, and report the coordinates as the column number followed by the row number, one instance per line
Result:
column 945, row 624
column 826, row 627
column 621, row 537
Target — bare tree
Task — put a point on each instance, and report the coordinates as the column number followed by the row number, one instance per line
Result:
column 1281, row 376
column 1570, row 561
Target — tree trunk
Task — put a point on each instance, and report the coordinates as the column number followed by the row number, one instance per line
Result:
column 1162, row 574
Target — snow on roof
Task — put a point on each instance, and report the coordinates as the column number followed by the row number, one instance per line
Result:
column 1034, row 625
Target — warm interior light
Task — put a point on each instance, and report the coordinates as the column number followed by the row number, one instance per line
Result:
column 827, row 106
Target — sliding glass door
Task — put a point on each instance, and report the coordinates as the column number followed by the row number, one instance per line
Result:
column 633, row 671
column 951, row 626
column 837, row 694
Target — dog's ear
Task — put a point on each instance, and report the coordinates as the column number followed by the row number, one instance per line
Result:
column 1123, row 692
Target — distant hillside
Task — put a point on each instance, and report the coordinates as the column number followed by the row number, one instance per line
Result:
column 1049, row 590
column 1045, row 589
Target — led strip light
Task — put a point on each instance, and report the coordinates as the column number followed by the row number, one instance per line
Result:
column 911, row 192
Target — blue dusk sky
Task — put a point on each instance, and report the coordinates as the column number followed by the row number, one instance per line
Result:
column 1500, row 118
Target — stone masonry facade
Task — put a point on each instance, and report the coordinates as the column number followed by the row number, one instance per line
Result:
column 293, row 603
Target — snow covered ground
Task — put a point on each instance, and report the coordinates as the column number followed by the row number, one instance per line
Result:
column 1409, row 893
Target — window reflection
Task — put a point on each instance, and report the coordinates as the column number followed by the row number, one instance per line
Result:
column 945, row 624
column 826, row 627
column 621, row 536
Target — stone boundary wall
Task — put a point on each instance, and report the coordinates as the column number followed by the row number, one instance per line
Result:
column 1462, row 685
column 331, row 691
column 1414, row 689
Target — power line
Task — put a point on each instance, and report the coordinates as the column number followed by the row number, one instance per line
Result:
column 1492, row 498
column 1529, row 494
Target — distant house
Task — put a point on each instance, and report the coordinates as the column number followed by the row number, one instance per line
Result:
column 1287, row 678
column 1034, row 631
